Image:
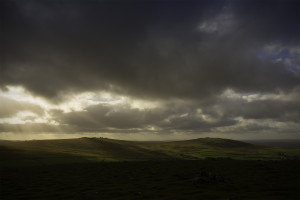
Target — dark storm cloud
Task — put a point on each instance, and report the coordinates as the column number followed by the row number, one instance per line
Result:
column 228, row 110
column 122, row 117
column 186, row 49
column 185, row 54
column 283, row 108
column 218, row 112
column 97, row 117
column 267, row 109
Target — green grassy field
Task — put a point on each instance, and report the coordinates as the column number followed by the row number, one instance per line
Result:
column 101, row 149
column 98, row 168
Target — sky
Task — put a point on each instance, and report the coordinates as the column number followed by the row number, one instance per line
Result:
column 150, row 70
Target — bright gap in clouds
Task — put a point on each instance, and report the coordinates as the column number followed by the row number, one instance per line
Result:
column 23, row 117
column 105, row 114
column 18, row 93
column 72, row 103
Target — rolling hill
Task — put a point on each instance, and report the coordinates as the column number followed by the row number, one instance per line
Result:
column 103, row 149
column 204, row 168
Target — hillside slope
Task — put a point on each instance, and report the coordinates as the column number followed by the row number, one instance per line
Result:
column 116, row 150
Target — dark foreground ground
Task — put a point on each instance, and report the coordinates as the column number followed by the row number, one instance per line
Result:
column 179, row 179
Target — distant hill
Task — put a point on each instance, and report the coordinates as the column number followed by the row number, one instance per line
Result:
column 277, row 143
column 103, row 149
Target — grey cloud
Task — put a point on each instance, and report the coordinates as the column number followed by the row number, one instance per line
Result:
column 182, row 116
column 283, row 108
column 10, row 107
column 166, row 118
column 99, row 117
column 272, row 109
column 144, row 49
column 195, row 124
column 219, row 114
column 279, row 110
column 191, row 51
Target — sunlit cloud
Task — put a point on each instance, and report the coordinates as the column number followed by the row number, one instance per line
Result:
column 18, row 93
column 218, row 68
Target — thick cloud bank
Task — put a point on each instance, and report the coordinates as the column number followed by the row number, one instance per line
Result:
column 192, row 66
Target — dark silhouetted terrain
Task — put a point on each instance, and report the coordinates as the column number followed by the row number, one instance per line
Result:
column 99, row 168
